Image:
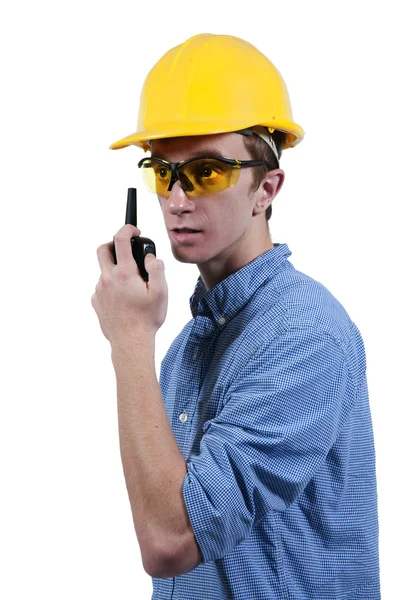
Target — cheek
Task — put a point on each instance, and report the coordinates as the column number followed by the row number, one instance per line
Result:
column 226, row 216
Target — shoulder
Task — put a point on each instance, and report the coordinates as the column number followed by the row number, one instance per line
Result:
column 303, row 310
column 305, row 303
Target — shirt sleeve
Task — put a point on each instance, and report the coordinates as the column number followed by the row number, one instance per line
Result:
column 279, row 420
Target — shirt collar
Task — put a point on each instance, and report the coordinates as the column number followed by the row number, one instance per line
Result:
column 228, row 297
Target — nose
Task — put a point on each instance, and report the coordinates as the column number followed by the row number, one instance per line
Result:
column 178, row 201
column 177, row 175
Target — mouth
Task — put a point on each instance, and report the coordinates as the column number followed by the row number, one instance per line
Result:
column 185, row 234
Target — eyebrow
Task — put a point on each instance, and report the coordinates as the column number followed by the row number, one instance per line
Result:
column 205, row 152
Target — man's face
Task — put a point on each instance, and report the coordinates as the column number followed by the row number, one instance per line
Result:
column 226, row 218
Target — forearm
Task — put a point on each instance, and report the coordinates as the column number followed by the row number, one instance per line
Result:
column 153, row 465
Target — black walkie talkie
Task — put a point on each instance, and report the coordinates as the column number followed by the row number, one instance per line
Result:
column 140, row 246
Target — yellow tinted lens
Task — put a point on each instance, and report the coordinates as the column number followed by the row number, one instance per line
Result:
column 209, row 175
column 156, row 176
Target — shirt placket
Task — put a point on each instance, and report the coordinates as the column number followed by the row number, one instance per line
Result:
column 190, row 380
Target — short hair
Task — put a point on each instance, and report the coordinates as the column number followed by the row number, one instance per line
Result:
column 260, row 150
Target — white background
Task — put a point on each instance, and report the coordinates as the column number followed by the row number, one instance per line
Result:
column 71, row 77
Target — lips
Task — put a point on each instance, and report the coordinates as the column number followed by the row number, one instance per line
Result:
column 185, row 236
column 186, row 230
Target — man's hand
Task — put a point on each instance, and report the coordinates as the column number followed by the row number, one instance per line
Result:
column 126, row 305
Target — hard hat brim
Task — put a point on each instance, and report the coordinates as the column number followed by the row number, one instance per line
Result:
column 294, row 133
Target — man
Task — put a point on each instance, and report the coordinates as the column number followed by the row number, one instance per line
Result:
column 250, row 467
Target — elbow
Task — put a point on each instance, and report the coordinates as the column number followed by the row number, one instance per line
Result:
column 181, row 560
column 157, row 562
column 160, row 566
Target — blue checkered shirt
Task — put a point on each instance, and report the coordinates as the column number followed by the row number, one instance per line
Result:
column 266, row 393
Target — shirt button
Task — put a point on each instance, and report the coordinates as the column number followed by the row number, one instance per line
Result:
column 221, row 320
column 183, row 417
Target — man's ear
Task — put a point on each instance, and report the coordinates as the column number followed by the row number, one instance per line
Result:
column 270, row 187
column 273, row 182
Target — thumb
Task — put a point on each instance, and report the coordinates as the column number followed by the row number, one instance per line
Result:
column 154, row 267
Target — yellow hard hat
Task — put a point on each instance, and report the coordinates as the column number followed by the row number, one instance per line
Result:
column 212, row 84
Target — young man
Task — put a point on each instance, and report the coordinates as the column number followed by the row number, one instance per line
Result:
column 250, row 467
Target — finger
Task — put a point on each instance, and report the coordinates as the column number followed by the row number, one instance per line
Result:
column 155, row 268
column 123, row 244
column 105, row 258
column 129, row 229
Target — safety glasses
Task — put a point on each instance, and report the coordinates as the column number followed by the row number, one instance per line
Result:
column 198, row 176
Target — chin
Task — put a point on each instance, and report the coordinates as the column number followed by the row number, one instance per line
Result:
column 183, row 257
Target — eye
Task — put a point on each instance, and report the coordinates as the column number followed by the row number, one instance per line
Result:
column 207, row 171
column 160, row 172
